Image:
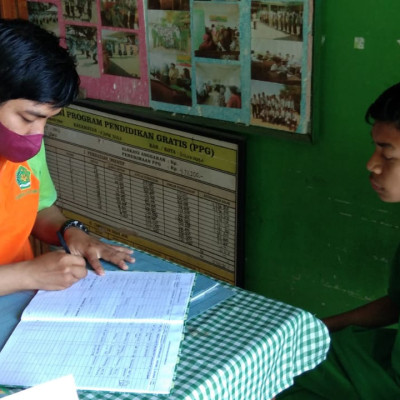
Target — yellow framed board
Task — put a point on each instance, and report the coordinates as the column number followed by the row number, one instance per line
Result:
column 160, row 187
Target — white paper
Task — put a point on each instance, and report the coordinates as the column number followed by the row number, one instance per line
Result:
column 133, row 356
column 120, row 296
column 61, row 389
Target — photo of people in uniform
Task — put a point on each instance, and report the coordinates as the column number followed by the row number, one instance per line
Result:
column 218, row 85
column 80, row 10
column 119, row 14
column 277, row 20
column 277, row 63
column 216, row 33
column 169, row 56
column 45, row 15
column 120, row 53
column 275, row 105
column 169, row 32
column 82, row 43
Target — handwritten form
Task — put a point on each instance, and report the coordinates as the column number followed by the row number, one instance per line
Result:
column 119, row 332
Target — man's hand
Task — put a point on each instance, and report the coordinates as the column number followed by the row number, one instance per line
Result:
column 84, row 245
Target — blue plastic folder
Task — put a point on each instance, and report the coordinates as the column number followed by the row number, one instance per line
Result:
column 207, row 292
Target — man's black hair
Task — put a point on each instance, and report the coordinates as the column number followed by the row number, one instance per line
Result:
column 386, row 108
column 33, row 65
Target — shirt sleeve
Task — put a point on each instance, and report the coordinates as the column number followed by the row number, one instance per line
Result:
column 394, row 280
column 48, row 193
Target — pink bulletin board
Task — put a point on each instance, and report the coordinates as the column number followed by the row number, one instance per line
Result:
column 108, row 40
column 237, row 61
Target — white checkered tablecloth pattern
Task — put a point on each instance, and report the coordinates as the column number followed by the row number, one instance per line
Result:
column 246, row 348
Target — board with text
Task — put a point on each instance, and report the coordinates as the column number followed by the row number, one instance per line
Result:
column 170, row 191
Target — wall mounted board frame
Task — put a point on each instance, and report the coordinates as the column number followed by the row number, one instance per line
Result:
column 166, row 189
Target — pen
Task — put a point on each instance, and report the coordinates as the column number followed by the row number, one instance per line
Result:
column 63, row 243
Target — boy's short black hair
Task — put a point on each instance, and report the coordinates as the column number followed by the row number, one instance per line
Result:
column 33, row 65
column 386, row 108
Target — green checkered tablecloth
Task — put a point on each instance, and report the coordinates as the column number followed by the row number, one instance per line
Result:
column 247, row 347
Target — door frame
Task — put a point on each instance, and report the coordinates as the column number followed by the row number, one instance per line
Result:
column 13, row 9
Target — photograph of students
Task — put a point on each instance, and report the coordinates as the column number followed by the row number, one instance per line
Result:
column 120, row 53
column 119, row 14
column 82, row 44
column 216, row 33
column 169, row 56
column 218, row 85
column 275, row 106
column 45, row 15
column 80, row 10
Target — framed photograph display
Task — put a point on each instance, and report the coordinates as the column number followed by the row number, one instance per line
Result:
column 170, row 190
column 236, row 61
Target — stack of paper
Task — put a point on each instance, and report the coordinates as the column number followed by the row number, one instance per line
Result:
column 117, row 332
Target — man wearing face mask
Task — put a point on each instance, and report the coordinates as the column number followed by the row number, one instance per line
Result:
column 37, row 79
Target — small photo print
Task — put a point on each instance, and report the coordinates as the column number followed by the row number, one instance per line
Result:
column 216, row 32
column 80, row 10
column 120, row 53
column 82, row 44
column 45, row 15
column 276, row 61
column 168, row 32
column 170, row 64
column 275, row 105
column 170, row 80
column 218, row 85
column 277, row 20
column 119, row 14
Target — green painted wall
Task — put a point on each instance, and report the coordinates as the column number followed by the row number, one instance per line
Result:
column 317, row 236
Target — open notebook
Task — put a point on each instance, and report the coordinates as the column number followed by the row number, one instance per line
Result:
column 118, row 332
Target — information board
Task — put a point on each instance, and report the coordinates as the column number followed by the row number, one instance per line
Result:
column 170, row 191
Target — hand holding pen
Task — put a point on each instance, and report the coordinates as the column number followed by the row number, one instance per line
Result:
column 63, row 242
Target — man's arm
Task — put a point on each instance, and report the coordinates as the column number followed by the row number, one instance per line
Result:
column 378, row 313
column 50, row 220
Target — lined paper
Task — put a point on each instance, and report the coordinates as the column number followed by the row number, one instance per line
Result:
column 119, row 296
column 133, row 356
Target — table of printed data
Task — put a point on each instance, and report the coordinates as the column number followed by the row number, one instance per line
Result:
column 153, row 202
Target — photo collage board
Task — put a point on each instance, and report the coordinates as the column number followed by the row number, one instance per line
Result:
column 238, row 61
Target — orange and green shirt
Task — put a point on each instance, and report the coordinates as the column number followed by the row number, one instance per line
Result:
column 25, row 188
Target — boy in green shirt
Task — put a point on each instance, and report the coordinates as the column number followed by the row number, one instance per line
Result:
column 364, row 359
